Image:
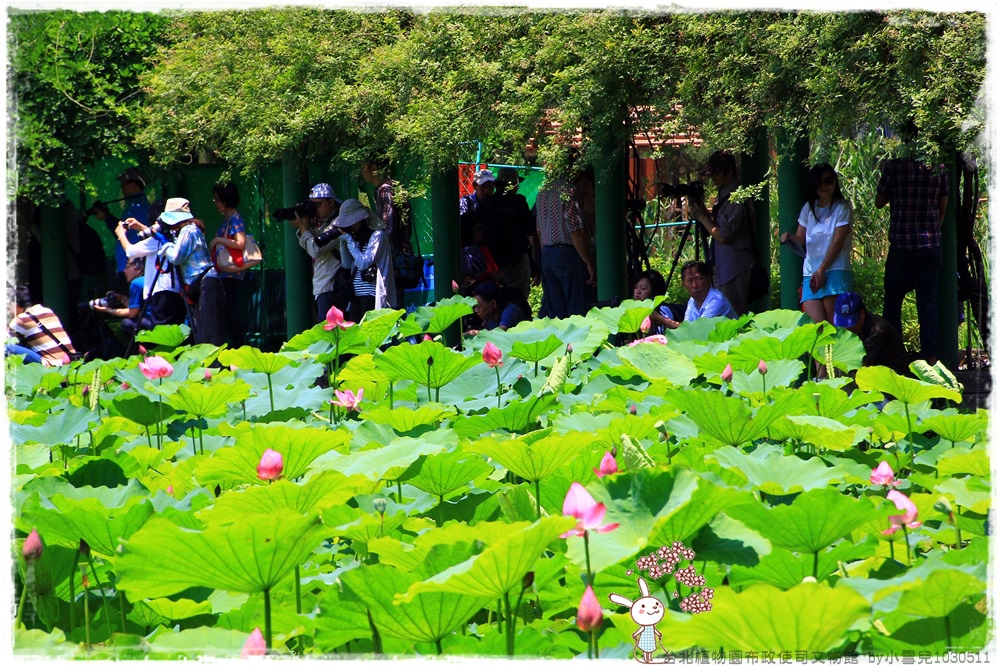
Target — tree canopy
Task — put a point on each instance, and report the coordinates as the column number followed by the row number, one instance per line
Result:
column 348, row 86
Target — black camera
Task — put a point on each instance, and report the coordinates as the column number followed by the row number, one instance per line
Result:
column 110, row 300
column 694, row 190
column 155, row 228
column 306, row 209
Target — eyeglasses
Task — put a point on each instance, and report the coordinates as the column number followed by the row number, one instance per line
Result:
column 829, row 180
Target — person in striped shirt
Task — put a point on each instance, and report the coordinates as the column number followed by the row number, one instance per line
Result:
column 41, row 335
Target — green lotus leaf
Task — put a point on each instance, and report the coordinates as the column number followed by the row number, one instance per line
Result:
column 340, row 618
column 659, row 362
column 178, row 609
column 632, row 455
column 201, row 643
column 957, row 427
column 405, row 419
column 964, row 462
column 785, row 570
column 534, row 346
column 966, row 629
column 940, row 594
column 207, row 400
column 821, row 431
column 810, row 617
column 389, row 461
column 435, row 319
column 583, row 333
column 815, row 519
column 141, row 410
column 168, row 335
column 443, row 473
column 59, row 428
column 251, row 359
column 885, row 594
column 533, row 458
column 65, row 521
column 320, row 491
column 782, row 344
column 29, row 379
column 298, row 447
column 427, row 617
column 500, row 567
column 771, row 321
column 780, row 373
column 907, row 390
column 243, row 557
column 630, row 313
column 360, row 372
column 437, row 549
column 556, row 377
column 411, row 362
column 361, row 525
column 48, row 645
column 515, row 417
column 969, row 492
column 826, row 399
column 723, row 418
column 937, row 374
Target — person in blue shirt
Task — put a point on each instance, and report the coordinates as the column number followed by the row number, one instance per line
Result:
column 705, row 301
column 493, row 310
column 135, row 206
column 129, row 313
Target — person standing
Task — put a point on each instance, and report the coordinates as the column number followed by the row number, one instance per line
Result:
column 917, row 196
column 230, row 235
column 136, row 207
column 509, row 227
column 823, row 237
column 377, row 174
column 567, row 267
column 331, row 282
column 374, row 281
column 730, row 226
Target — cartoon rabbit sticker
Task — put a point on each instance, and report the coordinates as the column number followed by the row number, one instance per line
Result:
column 647, row 611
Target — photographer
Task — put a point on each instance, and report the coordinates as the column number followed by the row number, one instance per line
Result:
column 41, row 336
column 729, row 225
column 160, row 289
column 188, row 252
column 136, row 207
column 117, row 305
column 374, row 281
column 331, row 282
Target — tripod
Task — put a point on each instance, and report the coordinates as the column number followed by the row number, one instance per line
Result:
column 700, row 246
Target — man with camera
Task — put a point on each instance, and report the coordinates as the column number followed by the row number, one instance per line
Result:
column 730, row 226
column 118, row 305
column 331, row 282
column 136, row 207
column 41, row 336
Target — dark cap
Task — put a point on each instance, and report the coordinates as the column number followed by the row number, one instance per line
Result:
column 720, row 161
column 847, row 311
column 132, row 175
column 487, row 289
column 509, row 175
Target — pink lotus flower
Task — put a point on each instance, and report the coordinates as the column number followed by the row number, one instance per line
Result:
column 883, row 475
column 762, row 367
column 907, row 518
column 590, row 615
column 86, row 389
column 255, row 645
column 335, row 320
column 608, row 465
column 347, row 399
column 727, row 373
column 632, row 410
column 124, row 386
column 588, row 514
column 655, row 338
column 142, row 349
column 208, row 374
column 646, row 325
column 454, row 286
column 156, row 368
column 170, row 490
column 569, row 348
column 33, row 546
column 492, row 356
column 271, row 465
column 427, row 337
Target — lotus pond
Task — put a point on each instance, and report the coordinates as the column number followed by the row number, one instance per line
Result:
column 217, row 502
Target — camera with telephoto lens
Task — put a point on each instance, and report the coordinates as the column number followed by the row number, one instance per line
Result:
column 110, row 300
column 306, row 209
column 155, row 228
column 695, row 190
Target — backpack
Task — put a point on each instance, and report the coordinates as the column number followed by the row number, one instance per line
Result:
column 91, row 259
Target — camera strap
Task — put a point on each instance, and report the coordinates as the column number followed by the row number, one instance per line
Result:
column 51, row 335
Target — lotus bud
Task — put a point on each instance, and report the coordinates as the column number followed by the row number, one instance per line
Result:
column 430, row 361
column 125, row 386
column 379, row 504
column 492, row 356
column 84, row 548
column 608, row 465
column 727, row 373
column 762, row 367
column 569, row 348
column 427, row 337
column 170, row 490
column 33, row 546
column 86, row 389
column 255, row 645
column 590, row 615
column 142, row 350
column 528, row 580
column 633, row 410
column 646, row 325
column 883, row 475
column 208, row 374
column 271, row 465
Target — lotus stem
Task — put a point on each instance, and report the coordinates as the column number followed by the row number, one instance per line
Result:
column 86, row 605
column 958, row 530
column 437, row 644
column 159, row 420
column 597, row 650
column 892, row 549
column 538, row 499
column 270, row 391
column 947, row 629
column 104, row 598
column 536, row 367
column 121, row 604
column 24, row 595
column 391, row 398
column 509, row 620
column 267, row 618
column 298, row 591
column 399, row 492
column 586, row 551
column 376, row 637
column 909, row 426
column 72, row 591
column 816, row 565
column 149, row 439
column 906, row 541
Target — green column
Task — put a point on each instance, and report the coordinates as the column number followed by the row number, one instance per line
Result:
column 444, row 216
column 298, row 268
column 609, row 211
column 947, row 299
column 792, row 174
column 755, row 167
column 53, row 237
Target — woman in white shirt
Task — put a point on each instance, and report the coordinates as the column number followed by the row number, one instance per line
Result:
column 374, row 281
column 823, row 237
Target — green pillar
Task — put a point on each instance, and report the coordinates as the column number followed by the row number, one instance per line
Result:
column 947, row 299
column 53, row 236
column 298, row 269
column 444, row 215
column 755, row 167
column 609, row 211
column 792, row 174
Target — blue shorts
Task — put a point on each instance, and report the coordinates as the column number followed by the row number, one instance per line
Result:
column 838, row 281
